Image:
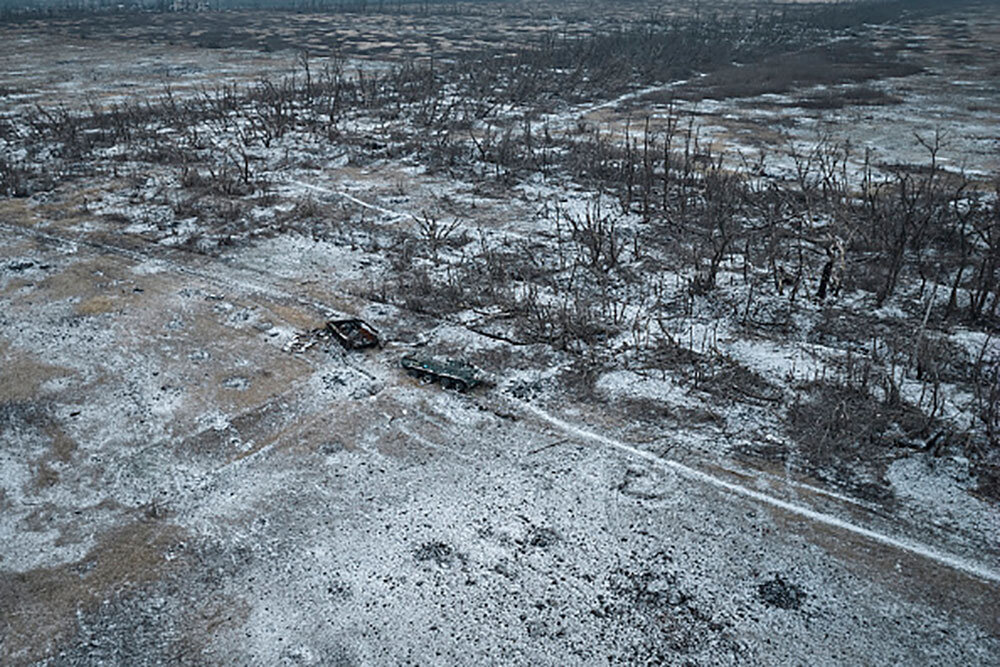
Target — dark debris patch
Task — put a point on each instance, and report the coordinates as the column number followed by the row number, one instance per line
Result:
column 19, row 266
column 776, row 592
column 438, row 552
column 527, row 391
column 651, row 619
column 338, row 590
column 650, row 590
column 542, row 537
column 988, row 478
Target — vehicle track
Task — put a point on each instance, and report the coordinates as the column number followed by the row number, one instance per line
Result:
column 978, row 570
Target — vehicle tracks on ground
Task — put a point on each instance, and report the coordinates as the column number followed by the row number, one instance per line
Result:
column 938, row 556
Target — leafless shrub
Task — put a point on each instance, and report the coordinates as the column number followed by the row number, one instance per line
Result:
column 566, row 323
column 13, row 179
column 839, row 428
column 416, row 290
column 191, row 177
column 434, row 232
column 597, row 236
column 403, row 252
column 187, row 207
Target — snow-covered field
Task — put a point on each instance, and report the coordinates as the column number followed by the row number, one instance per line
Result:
column 658, row 470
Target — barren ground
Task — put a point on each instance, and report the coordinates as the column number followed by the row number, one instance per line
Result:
column 177, row 486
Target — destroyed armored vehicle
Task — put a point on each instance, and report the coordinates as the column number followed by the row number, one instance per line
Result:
column 353, row 334
column 450, row 373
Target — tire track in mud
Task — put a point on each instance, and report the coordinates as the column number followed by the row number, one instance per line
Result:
column 951, row 561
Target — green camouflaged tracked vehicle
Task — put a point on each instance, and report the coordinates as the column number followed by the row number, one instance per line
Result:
column 452, row 374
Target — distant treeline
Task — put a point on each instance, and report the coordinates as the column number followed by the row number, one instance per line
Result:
column 35, row 8
column 848, row 12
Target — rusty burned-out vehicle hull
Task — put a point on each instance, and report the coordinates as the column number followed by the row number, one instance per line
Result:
column 353, row 334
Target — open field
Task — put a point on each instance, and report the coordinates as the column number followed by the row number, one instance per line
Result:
column 736, row 309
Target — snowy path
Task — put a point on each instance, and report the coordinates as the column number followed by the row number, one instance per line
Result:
column 565, row 119
column 631, row 96
column 978, row 570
